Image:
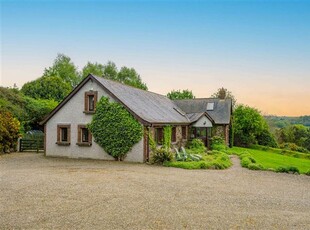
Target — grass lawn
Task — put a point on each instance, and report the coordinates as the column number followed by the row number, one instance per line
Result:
column 271, row 160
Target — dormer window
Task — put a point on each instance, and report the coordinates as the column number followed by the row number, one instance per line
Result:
column 90, row 101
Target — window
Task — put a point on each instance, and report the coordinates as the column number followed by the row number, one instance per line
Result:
column 159, row 135
column 173, row 135
column 210, row 106
column 84, row 136
column 90, row 101
column 63, row 135
column 184, row 133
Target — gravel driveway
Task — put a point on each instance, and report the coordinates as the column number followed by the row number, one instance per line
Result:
column 45, row 193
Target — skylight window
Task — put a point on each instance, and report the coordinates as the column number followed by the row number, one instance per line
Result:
column 210, row 106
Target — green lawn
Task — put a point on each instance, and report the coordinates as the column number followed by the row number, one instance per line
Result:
column 271, row 160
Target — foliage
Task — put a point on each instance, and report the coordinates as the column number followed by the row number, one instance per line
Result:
column 27, row 110
column 152, row 143
column 178, row 94
column 129, row 76
column 296, row 134
column 218, row 143
column 223, row 93
column 267, row 139
column 167, row 137
column 215, row 161
column 110, row 71
column 50, row 88
column 11, row 100
column 283, row 121
column 183, row 156
column 270, row 160
column 250, row 128
column 36, row 110
column 114, row 128
column 289, row 169
column 65, row 69
column 159, row 156
column 293, row 147
column 196, row 146
column 308, row 173
column 9, row 131
column 92, row 68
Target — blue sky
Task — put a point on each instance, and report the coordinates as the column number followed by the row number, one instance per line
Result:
column 260, row 50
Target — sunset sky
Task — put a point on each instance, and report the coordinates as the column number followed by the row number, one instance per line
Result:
column 259, row 50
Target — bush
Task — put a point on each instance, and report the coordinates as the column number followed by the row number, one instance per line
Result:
column 9, row 132
column 161, row 155
column 114, row 128
column 218, row 143
column 308, row 173
column 293, row 147
column 289, row 169
column 253, row 166
column 196, row 146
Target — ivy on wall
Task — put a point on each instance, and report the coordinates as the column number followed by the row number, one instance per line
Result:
column 114, row 128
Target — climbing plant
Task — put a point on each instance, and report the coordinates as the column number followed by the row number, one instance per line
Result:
column 167, row 137
column 114, row 128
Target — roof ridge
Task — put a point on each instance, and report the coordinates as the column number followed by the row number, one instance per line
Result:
column 117, row 82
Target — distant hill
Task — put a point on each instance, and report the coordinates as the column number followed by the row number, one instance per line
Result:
column 282, row 121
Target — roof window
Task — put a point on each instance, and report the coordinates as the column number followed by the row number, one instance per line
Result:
column 210, row 106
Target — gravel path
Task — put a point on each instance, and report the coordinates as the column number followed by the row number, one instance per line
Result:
column 54, row 193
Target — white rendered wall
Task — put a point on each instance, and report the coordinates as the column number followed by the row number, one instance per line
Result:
column 72, row 113
column 203, row 122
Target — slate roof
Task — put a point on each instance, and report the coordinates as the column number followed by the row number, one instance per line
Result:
column 195, row 107
column 151, row 107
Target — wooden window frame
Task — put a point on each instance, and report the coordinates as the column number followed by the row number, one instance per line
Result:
column 86, row 101
column 159, row 135
column 59, row 128
column 79, row 136
column 184, row 133
column 173, row 134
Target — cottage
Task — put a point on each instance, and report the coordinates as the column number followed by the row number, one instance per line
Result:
column 66, row 133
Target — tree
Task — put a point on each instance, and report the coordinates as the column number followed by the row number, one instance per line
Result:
column 250, row 127
column 64, row 68
column 110, row 71
column 36, row 110
column 9, row 131
column 93, row 68
column 129, row 76
column 51, row 88
column 223, row 93
column 178, row 94
column 114, row 128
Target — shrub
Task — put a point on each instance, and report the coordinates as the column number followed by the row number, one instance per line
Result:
column 218, row 143
column 114, row 128
column 308, row 173
column 253, row 166
column 196, row 146
column 289, row 169
column 9, row 132
column 293, row 147
column 245, row 161
column 161, row 155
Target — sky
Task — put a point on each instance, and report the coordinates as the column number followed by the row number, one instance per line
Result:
column 258, row 50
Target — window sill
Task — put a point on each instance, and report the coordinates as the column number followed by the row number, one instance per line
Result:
column 63, row 143
column 89, row 112
column 85, row 144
